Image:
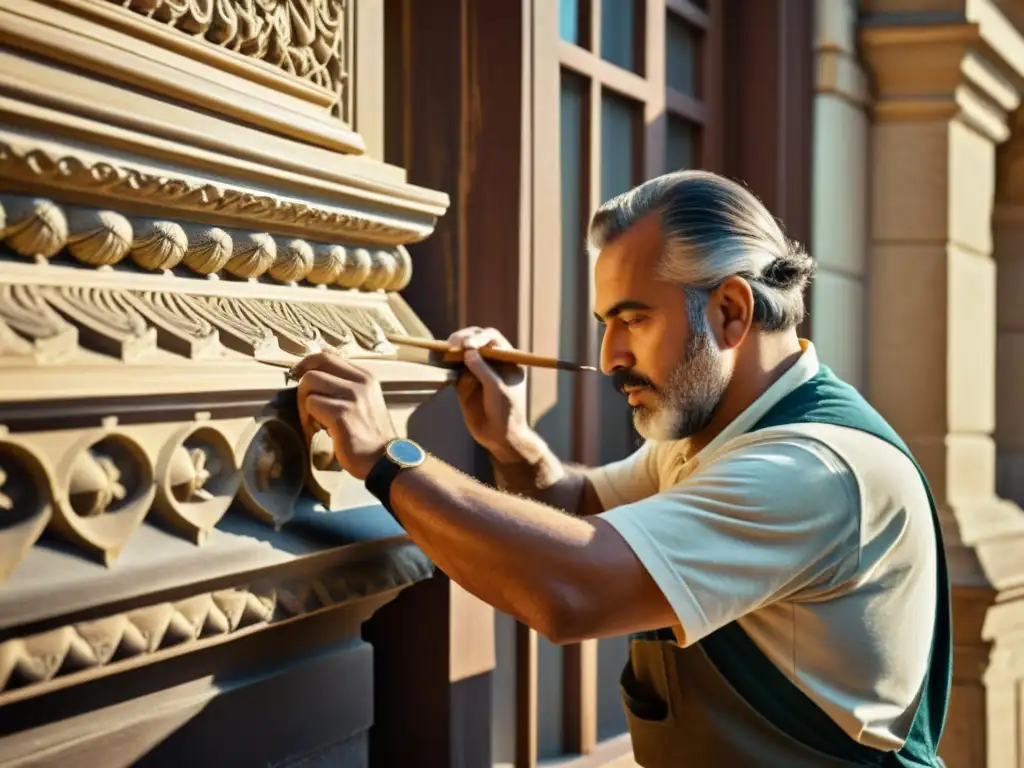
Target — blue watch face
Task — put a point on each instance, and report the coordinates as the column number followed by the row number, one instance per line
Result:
column 406, row 452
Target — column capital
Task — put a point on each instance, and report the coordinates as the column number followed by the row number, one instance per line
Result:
column 941, row 71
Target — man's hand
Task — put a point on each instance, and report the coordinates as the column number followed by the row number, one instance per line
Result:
column 493, row 405
column 347, row 401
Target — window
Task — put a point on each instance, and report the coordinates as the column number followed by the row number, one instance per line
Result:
column 630, row 109
column 686, row 24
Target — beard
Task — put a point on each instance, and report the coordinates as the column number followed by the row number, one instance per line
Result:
column 687, row 401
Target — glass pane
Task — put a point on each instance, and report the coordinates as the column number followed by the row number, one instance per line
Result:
column 620, row 144
column 679, row 150
column 557, row 424
column 680, row 55
column 620, row 140
column 569, row 20
column 618, row 32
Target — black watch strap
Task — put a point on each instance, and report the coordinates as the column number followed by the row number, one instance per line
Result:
column 379, row 480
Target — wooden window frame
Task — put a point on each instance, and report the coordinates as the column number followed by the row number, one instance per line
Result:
column 655, row 102
column 768, row 41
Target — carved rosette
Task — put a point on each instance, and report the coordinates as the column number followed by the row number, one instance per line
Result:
column 198, row 479
column 273, row 470
column 107, row 489
column 26, row 501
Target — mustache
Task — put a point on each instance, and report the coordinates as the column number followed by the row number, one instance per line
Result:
column 624, row 377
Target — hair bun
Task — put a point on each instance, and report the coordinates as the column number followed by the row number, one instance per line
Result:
column 791, row 270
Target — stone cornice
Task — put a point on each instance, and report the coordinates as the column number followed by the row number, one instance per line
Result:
column 51, row 165
column 930, row 65
column 105, row 641
column 933, row 73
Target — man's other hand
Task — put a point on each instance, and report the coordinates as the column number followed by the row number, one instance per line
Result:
column 493, row 398
column 347, row 401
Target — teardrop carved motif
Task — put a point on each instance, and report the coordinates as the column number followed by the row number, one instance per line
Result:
column 29, row 327
column 240, row 327
column 106, row 319
column 180, row 327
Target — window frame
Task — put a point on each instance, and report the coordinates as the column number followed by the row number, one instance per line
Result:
column 646, row 88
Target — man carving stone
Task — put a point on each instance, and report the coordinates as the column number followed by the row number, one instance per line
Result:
column 772, row 547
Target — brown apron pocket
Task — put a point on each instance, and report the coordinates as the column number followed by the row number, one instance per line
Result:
column 645, row 698
column 724, row 726
column 641, row 699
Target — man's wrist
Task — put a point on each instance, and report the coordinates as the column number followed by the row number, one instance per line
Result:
column 529, row 465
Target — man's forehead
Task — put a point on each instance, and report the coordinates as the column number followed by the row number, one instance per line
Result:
column 628, row 265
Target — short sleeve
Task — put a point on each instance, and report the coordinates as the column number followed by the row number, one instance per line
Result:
column 757, row 525
column 627, row 480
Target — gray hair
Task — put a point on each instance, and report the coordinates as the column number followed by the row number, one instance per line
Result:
column 714, row 228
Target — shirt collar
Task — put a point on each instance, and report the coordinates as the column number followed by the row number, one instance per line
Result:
column 804, row 369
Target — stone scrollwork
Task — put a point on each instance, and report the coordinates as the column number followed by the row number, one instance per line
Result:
column 36, row 226
column 107, row 483
column 305, row 38
column 356, row 270
column 26, row 501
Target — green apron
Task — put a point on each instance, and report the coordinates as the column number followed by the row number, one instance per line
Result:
column 722, row 702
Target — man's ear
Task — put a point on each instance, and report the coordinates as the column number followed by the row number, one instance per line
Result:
column 731, row 311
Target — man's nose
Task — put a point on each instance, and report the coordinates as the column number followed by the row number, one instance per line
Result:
column 615, row 352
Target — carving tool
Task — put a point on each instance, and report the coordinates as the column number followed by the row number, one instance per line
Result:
column 447, row 354
column 444, row 355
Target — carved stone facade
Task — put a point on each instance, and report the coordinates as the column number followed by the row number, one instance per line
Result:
column 945, row 88
column 187, row 208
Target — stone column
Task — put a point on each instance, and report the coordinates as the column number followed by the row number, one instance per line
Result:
column 839, row 220
column 942, row 97
column 1008, row 241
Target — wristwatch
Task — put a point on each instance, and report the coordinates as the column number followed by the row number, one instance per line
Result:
column 399, row 454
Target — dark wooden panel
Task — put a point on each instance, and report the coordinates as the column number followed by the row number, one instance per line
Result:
column 768, row 91
column 454, row 114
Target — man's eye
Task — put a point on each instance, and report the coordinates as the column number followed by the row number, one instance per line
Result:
column 629, row 322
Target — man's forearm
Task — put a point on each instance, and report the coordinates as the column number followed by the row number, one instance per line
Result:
column 540, row 475
column 518, row 555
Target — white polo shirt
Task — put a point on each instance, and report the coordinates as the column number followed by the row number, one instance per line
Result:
column 818, row 539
